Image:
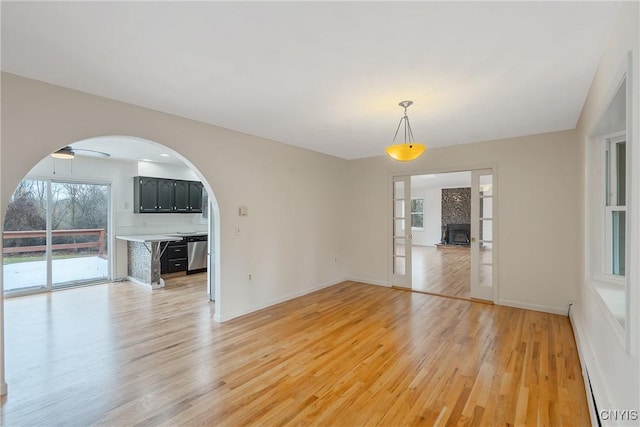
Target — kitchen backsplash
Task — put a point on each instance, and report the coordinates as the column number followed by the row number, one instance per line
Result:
column 165, row 223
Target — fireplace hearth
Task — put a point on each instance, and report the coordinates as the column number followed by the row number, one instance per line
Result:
column 458, row 234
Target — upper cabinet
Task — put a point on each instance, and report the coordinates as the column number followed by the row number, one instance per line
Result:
column 195, row 196
column 161, row 195
column 188, row 196
column 166, row 195
column 145, row 194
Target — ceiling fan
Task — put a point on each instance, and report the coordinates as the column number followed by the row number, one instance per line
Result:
column 69, row 152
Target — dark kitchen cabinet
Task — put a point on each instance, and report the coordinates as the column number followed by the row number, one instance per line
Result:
column 161, row 195
column 182, row 196
column 166, row 195
column 195, row 197
column 145, row 194
column 189, row 196
column 174, row 258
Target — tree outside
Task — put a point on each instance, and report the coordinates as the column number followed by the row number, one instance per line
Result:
column 73, row 206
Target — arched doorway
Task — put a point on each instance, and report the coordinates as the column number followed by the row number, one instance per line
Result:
column 112, row 161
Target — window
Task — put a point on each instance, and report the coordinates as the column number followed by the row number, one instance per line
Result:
column 417, row 214
column 615, row 205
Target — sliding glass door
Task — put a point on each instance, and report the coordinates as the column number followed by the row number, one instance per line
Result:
column 55, row 235
column 79, row 219
column 24, row 238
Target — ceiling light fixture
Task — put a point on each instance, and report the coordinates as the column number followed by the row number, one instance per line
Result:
column 69, row 153
column 410, row 150
column 63, row 153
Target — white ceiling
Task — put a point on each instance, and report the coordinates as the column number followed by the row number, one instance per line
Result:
column 127, row 148
column 324, row 75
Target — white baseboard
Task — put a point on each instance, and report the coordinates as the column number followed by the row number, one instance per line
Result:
column 275, row 301
column 369, row 281
column 534, row 307
column 583, row 354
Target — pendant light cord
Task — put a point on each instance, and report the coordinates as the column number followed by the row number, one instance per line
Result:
column 407, row 126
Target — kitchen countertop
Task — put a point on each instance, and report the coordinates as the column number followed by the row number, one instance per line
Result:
column 149, row 238
column 188, row 233
column 160, row 237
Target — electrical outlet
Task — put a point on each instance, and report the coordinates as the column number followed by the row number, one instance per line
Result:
column 250, row 276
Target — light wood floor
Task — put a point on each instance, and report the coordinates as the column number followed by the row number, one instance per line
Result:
column 348, row 355
column 444, row 270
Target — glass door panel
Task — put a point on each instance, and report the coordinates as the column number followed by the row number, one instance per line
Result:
column 482, row 241
column 401, row 233
column 24, row 238
column 79, row 219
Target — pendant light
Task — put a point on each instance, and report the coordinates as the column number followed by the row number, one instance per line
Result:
column 410, row 150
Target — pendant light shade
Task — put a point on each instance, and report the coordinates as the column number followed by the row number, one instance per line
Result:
column 409, row 150
column 405, row 152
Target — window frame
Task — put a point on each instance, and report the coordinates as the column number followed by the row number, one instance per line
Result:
column 609, row 205
column 412, row 213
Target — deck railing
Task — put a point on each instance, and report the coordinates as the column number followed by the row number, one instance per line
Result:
column 100, row 233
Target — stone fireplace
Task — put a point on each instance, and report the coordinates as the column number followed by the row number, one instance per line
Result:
column 456, row 216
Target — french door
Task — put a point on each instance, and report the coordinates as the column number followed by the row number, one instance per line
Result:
column 401, row 233
column 482, row 218
column 482, row 234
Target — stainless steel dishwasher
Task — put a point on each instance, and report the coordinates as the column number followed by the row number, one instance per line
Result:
column 197, row 247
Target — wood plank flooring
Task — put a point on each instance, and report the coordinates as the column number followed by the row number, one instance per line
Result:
column 348, row 355
column 444, row 270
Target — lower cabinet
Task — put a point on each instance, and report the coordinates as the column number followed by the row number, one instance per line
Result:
column 174, row 258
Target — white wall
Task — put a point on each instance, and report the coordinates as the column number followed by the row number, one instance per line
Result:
column 537, row 200
column 163, row 170
column 614, row 370
column 292, row 241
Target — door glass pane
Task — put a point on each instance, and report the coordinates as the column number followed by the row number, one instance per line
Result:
column 619, row 241
column 486, row 207
column 485, row 275
column 399, row 265
column 24, row 238
column 398, row 209
column 398, row 190
column 398, row 227
column 486, row 230
column 486, row 253
column 79, row 214
column 486, row 185
column 399, row 247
